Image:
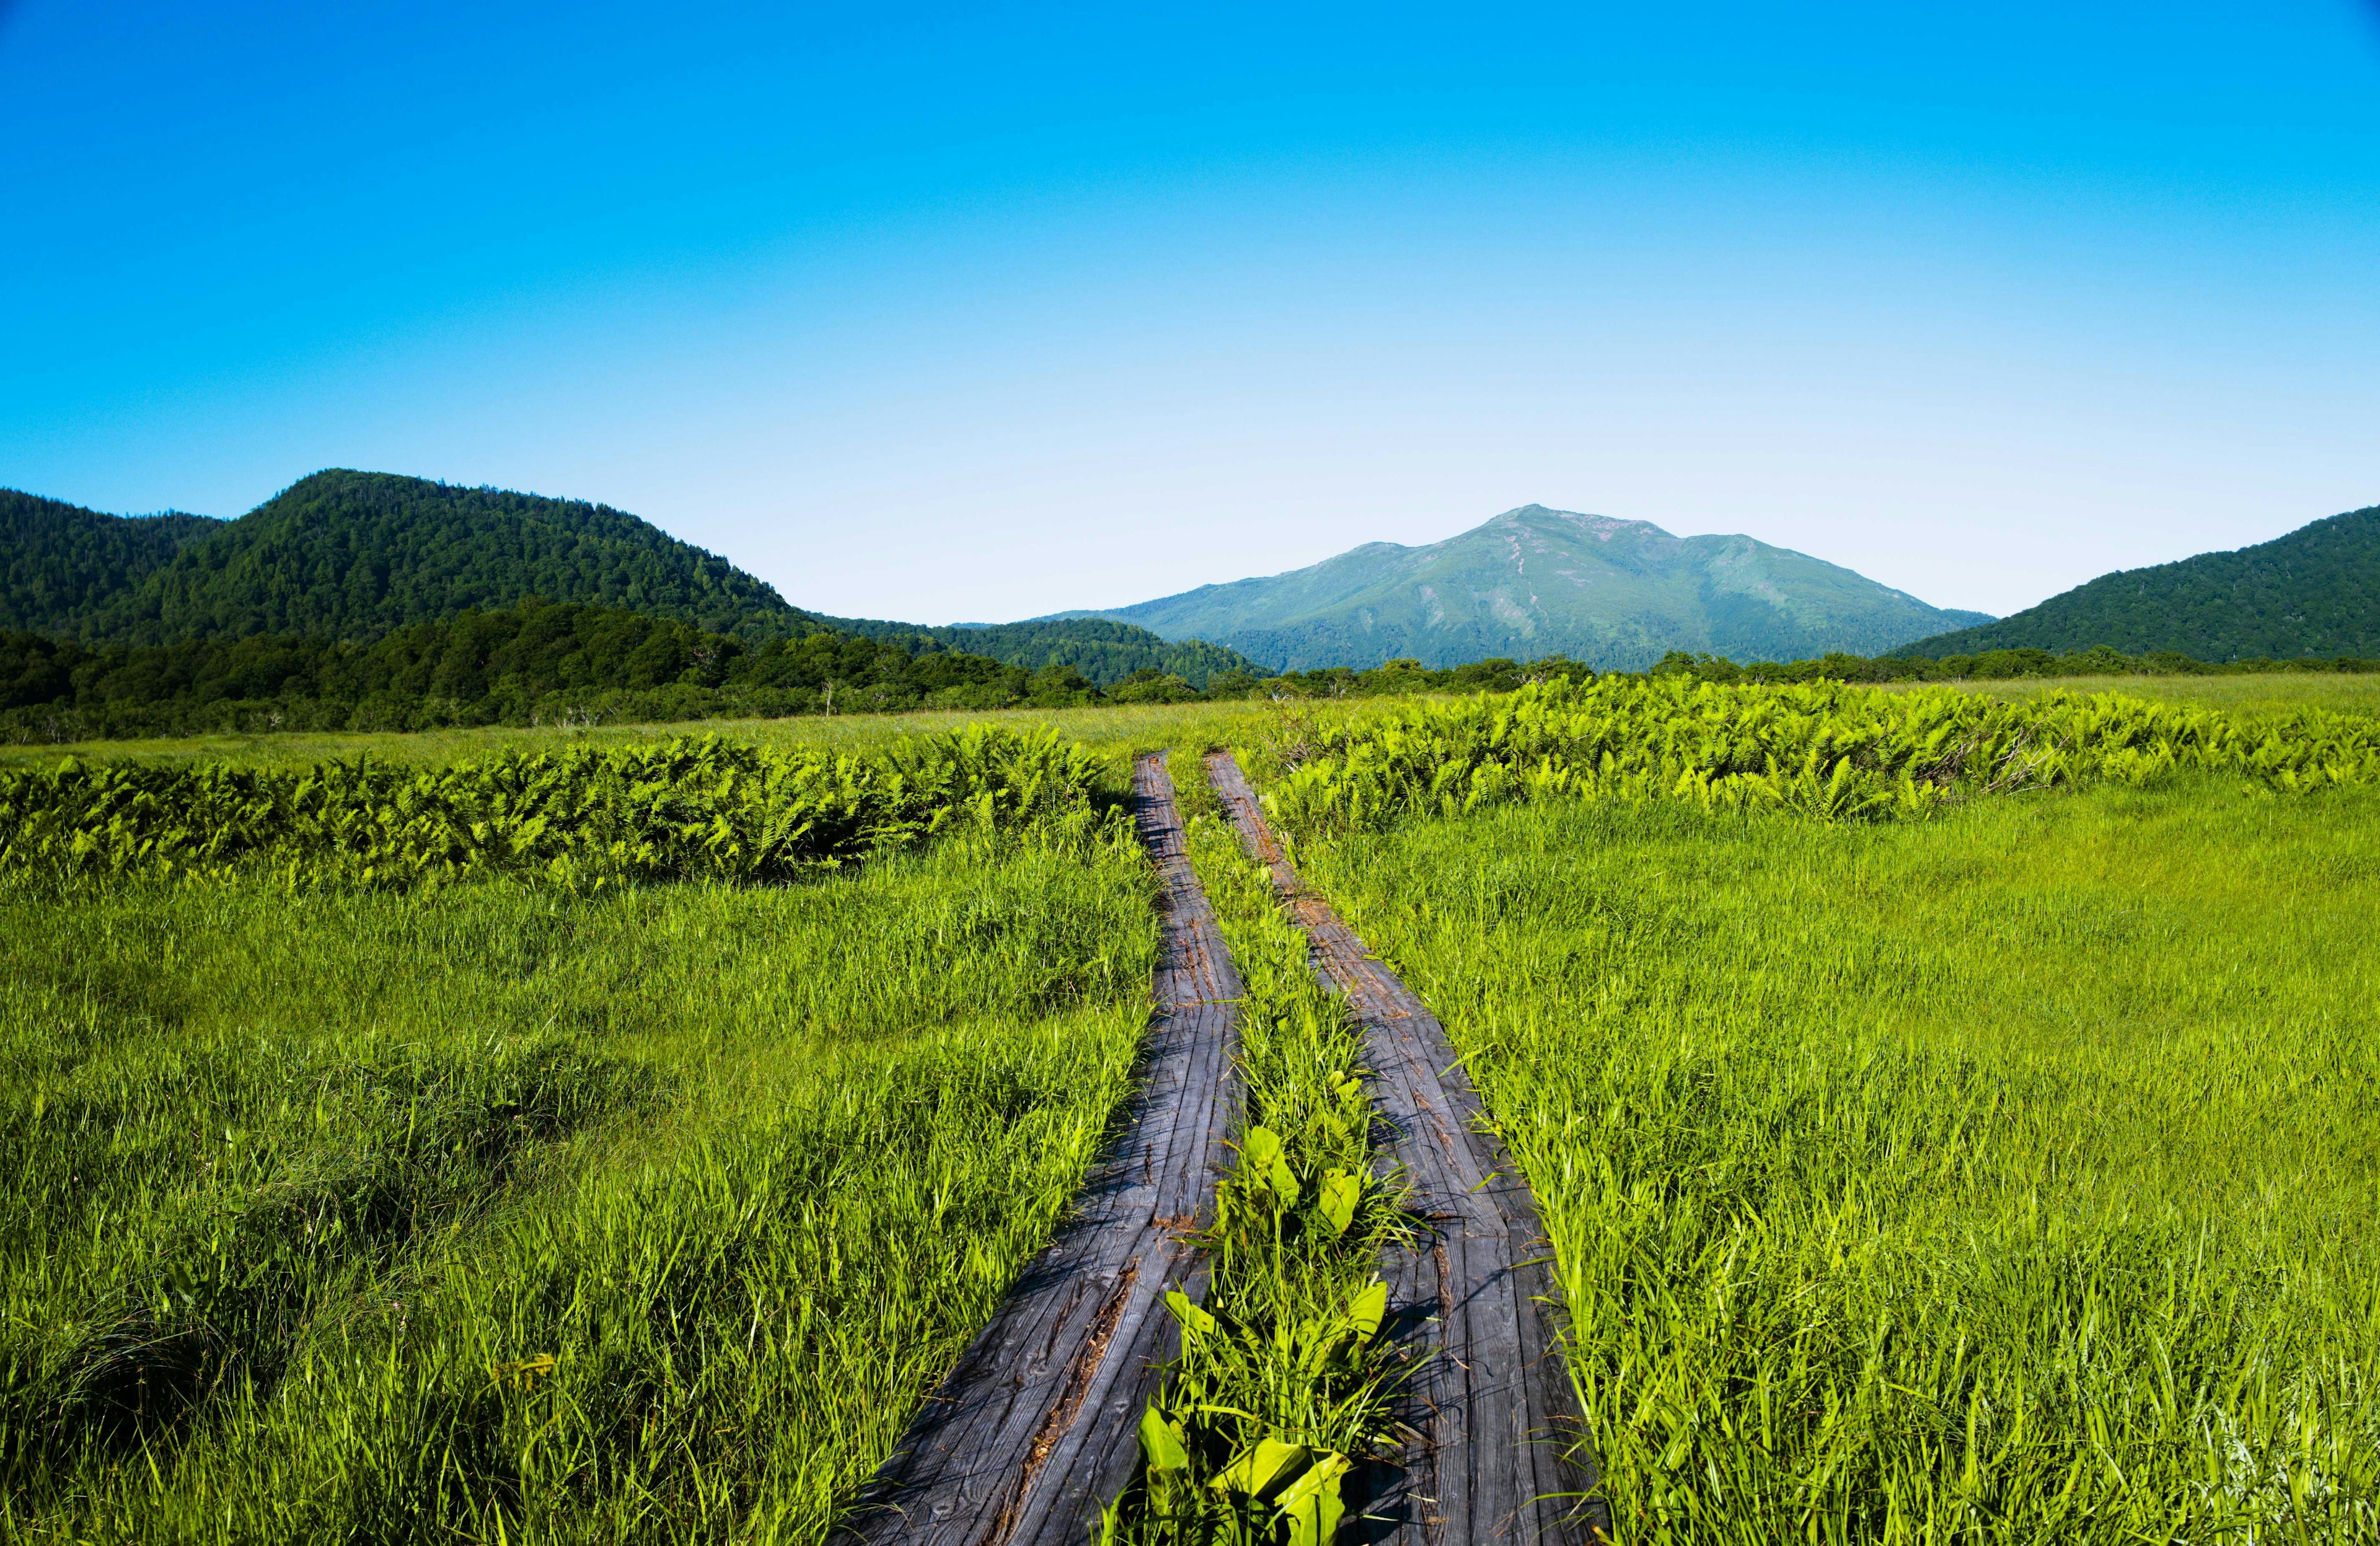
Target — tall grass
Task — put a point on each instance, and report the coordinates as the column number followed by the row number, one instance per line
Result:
column 494, row 1211
column 2009, row 1176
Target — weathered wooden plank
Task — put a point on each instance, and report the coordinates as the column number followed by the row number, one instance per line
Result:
column 1033, row 1430
column 1491, row 1403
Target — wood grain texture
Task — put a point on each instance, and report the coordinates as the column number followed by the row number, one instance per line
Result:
column 1492, row 1406
column 1035, row 1429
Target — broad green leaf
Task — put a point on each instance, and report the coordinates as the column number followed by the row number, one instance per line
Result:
column 1194, row 1319
column 1368, row 1309
column 1340, row 1193
column 1311, row 1504
column 1257, row 1471
column 1163, row 1443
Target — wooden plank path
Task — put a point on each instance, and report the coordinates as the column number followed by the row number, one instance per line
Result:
column 1035, row 1428
column 1491, row 1403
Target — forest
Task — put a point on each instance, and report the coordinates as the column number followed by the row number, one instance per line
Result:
column 532, row 663
column 2310, row 592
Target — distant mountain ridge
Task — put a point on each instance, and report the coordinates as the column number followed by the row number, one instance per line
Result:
column 1533, row 582
column 2315, row 592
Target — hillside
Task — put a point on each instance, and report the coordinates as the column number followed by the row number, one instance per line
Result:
column 2316, row 592
column 59, row 562
column 1104, row 651
column 352, row 555
column 1533, row 582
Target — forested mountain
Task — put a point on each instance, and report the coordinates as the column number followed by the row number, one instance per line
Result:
column 1533, row 582
column 60, row 563
column 351, row 555
column 525, row 664
column 2316, row 592
column 1104, row 651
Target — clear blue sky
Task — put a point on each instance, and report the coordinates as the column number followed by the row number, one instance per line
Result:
column 982, row 313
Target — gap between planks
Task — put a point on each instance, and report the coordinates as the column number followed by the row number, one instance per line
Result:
column 1491, row 1404
column 1035, row 1428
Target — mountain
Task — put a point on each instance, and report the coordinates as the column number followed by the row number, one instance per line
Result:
column 352, row 555
column 2316, row 592
column 1533, row 582
column 59, row 562
column 1103, row 651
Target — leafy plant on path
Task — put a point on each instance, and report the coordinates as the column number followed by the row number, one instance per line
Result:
column 1281, row 1390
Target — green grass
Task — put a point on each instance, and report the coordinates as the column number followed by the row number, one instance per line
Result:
column 1116, row 729
column 2012, row 1176
column 2275, row 694
column 497, row 1213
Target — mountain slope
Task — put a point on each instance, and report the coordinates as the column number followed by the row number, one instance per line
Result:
column 2314, row 592
column 1533, row 581
column 1103, row 651
column 352, row 555
column 59, row 562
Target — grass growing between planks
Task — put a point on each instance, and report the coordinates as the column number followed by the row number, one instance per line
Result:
column 2011, row 1177
column 1283, row 1386
column 496, row 1212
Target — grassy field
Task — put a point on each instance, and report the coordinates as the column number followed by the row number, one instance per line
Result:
column 2277, row 693
column 1123, row 730
column 1118, row 730
column 491, row 1212
column 2011, row 1176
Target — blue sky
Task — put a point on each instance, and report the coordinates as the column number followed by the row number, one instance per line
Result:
column 981, row 313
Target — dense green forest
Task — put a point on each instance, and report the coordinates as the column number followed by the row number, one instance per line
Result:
column 2313, row 593
column 1105, row 651
column 351, row 555
column 531, row 663
column 59, row 563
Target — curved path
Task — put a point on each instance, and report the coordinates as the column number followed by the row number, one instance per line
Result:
column 1492, row 1404
column 1037, row 1427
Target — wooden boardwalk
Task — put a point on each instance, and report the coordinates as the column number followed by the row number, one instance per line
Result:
column 1491, row 1402
column 1035, row 1429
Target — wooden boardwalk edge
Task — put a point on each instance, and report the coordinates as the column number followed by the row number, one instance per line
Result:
column 1035, row 1429
column 1493, row 1403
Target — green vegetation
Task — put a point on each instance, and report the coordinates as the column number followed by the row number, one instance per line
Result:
column 1282, row 1385
column 1113, row 730
column 1536, row 581
column 2316, row 592
column 59, row 562
column 1106, row 653
column 529, row 664
column 1835, row 752
column 2009, row 1176
column 688, row 809
column 2262, row 695
column 496, row 1211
